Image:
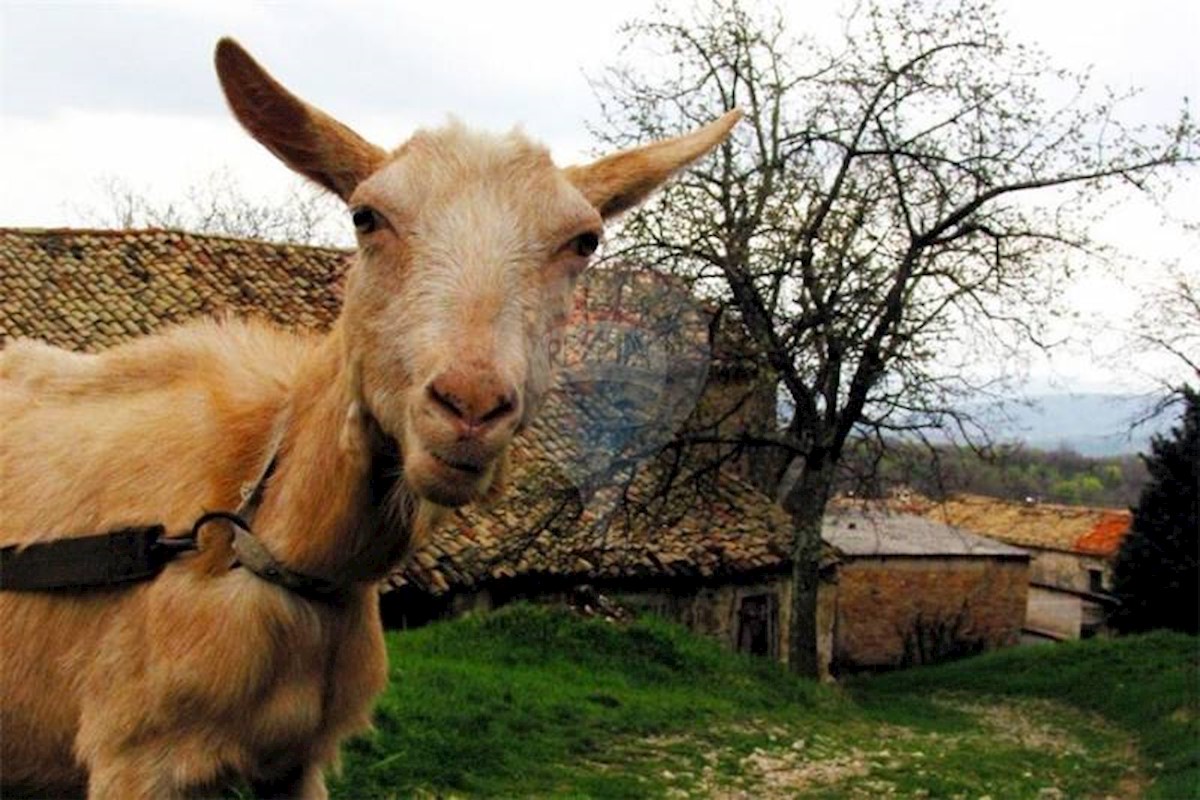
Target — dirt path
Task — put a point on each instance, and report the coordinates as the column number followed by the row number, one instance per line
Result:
column 999, row 749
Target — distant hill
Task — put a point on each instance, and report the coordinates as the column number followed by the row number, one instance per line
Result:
column 1090, row 424
column 1075, row 449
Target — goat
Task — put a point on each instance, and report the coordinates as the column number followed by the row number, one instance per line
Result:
column 468, row 248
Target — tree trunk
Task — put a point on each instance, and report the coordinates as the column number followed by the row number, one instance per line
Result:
column 806, row 503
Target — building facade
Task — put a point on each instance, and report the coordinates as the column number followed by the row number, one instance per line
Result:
column 1072, row 549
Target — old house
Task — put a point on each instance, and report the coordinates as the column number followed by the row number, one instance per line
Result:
column 1072, row 549
column 708, row 551
column 594, row 498
column 896, row 589
column 909, row 590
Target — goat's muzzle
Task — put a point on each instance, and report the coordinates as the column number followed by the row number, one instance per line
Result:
column 472, row 402
column 462, row 422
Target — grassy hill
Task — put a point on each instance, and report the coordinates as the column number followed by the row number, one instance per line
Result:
column 533, row 702
column 1147, row 687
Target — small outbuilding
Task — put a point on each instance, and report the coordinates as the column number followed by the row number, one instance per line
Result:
column 1072, row 551
column 906, row 590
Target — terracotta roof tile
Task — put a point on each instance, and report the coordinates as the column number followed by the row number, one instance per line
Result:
column 1105, row 537
column 547, row 525
column 1078, row 529
column 89, row 289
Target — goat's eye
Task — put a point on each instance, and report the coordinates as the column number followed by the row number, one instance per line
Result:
column 585, row 244
column 365, row 219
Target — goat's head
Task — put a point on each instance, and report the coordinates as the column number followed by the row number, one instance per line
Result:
column 468, row 249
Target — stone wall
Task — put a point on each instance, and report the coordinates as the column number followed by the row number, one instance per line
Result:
column 751, row 617
column 877, row 613
column 748, row 615
column 1065, row 596
column 739, row 401
column 1068, row 570
column 1055, row 615
column 890, row 612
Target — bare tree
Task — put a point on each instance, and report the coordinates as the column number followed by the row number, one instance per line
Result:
column 221, row 205
column 891, row 214
column 1161, row 344
column 1168, row 322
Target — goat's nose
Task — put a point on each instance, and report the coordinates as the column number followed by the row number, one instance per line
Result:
column 474, row 401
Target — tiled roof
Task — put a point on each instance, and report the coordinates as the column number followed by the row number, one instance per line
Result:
column 87, row 289
column 567, row 516
column 876, row 531
column 1106, row 535
column 1077, row 529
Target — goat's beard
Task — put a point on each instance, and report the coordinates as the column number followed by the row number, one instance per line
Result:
column 396, row 521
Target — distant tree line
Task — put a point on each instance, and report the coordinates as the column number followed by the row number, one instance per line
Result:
column 1012, row 473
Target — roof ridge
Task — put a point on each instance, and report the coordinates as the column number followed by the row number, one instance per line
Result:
column 134, row 232
column 1041, row 504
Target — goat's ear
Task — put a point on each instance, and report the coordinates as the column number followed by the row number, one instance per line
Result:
column 305, row 138
column 622, row 180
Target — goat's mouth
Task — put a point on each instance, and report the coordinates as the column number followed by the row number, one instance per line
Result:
column 473, row 468
column 448, row 478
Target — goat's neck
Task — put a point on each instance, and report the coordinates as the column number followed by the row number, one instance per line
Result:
column 336, row 506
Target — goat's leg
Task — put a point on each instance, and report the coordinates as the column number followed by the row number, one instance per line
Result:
column 304, row 782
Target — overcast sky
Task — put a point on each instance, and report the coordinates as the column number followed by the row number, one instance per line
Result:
column 92, row 90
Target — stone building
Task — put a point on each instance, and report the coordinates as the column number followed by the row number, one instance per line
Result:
column 1072, row 550
column 896, row 589
column 908, row 590
column 595, row 496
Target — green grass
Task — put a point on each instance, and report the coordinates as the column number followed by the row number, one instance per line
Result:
column 531, row 701
column 1147, row 685
column 534, row 702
